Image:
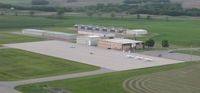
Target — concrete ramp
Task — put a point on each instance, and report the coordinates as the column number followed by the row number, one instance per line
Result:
column 110, row 59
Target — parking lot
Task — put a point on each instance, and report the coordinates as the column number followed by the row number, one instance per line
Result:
column 110, row 59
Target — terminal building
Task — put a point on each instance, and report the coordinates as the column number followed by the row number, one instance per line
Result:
column 120, row 44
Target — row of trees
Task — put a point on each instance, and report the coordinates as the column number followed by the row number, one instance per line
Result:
column 154, row 7
column 40, row 2
column 145, row 1
column 150, row 43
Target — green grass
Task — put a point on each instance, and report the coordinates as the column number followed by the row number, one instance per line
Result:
column 17, row 64
column 192, row 52
column 26, row 22
column 112, row 82
column 7, row 37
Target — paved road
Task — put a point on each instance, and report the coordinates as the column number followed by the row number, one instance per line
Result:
column 9, row 87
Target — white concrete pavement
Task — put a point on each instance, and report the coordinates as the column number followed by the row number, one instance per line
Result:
column 110, row 59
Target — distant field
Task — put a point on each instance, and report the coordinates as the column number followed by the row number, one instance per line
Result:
column 26, row 22
column 189, row 3
column 17, row 2
column 193, row 52
column 178, row 78
column 185, row 3
column 79, row 3
column 17, row 64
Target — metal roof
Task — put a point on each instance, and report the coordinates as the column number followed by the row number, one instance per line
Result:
column 123, row 41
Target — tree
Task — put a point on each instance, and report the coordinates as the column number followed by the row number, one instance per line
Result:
column 150, row 43
column 60, row 12
column 167, row 18
column 16, row 13
column 148, row 17
column 112, row 15
column 90, row 13
column 31, row 13
column 2, row 13
column 40, row 2
column 165, row 43
column 138, row 16
column 70, row 1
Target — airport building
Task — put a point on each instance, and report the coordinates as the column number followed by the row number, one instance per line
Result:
column 120, row 44
column 137, row 32
column 88, row 40
column 50, row 34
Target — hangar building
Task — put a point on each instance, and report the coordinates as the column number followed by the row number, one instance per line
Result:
column 120, row 44
column 88, row 40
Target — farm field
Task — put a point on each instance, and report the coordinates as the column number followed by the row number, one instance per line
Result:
column 17, row 65
column 17, row 2
column 148, row 80
column 192, row 52
column 81, row 3
column 62, row 3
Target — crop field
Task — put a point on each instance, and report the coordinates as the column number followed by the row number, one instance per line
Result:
column 80, row 3
column 192, row 52
column 25, row 22
column 17, row 64
column 178, row 78
column 64, row 3
column 183, row 80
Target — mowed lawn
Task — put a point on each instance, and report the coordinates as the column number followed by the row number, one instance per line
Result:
column 192, row 52
column 176, row 78
column 8, row 37
column 17, row 64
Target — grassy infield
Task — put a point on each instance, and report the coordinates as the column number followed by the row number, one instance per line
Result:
column 178, row 32
column 17, row 64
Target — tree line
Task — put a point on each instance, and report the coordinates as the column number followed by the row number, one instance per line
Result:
column 152, row 7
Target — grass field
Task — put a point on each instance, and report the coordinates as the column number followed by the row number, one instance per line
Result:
column 184, row 75
column 173, row 30
column 192, row 52
column 7, row 37
column 25, row 22
column 17, row 64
